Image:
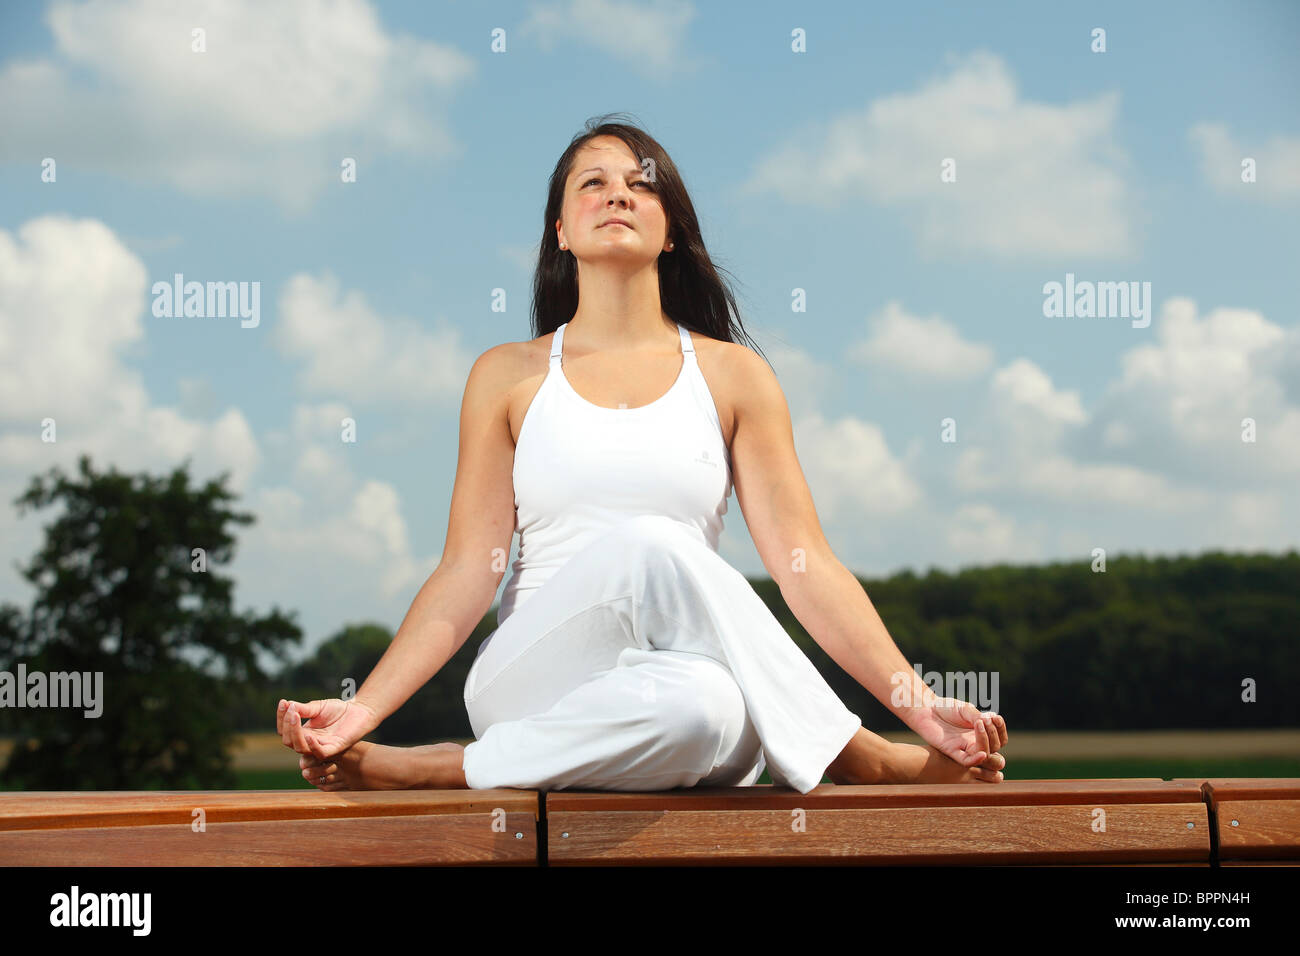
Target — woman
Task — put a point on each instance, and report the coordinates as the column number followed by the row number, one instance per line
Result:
column 628, row 654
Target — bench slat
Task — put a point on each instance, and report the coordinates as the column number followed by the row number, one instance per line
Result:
column 1135, row 832
column 831, row 796
column 51, row 810
column 407, row 840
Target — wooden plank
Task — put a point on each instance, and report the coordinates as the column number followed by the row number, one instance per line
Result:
column 833, row 797
column 46, row 810
column 880, row 834
column 1256, row 818
column 1258, row 829
column 405, row 840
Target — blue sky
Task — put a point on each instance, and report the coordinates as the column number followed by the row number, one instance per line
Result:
column 816, row 170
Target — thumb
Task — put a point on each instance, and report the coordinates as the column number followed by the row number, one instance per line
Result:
column 310, row 709
column 322, row 751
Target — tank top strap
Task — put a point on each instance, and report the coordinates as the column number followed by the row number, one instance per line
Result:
column 688, row 349
column 557, row 345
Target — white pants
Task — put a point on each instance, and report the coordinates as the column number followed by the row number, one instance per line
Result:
column 647, row 662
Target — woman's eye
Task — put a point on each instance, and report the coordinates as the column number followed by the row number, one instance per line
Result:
column 639, row 182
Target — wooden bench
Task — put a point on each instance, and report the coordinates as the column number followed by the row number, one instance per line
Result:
column 1255, row 820
column 1027, row 822
column 1128, row 821
column 270, row 828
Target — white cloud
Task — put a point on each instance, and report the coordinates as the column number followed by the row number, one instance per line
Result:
column 1277, row 162
column 72, row 300
column 920, row 348
column 1180, row 401
column 350, row 553
column 1164, row 438
column 849, row 468
column 356, row 354
column 645, row 37
column 1023, row 389
column 283, row 92
column 1015, row 444
column 1033, row 179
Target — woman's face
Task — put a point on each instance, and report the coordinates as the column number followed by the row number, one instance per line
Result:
column 607, row 182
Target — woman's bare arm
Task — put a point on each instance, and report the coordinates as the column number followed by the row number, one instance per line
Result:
column 455, row 597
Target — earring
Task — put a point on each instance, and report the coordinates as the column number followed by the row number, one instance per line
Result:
column 563, row 246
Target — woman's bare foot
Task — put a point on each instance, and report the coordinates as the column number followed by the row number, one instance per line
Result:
column 871, row 759
column 928, row 765
column 367, row 766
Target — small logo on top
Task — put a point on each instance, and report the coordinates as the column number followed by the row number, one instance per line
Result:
column 704, row 459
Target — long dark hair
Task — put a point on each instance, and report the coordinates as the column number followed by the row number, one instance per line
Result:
column 690, row 290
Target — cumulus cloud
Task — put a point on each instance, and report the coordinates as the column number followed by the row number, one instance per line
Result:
column 352, row 351
column 281, row 94
column 1179, row 403
column 1017, row 443
column 850, row 469
column 72, row 304
column 1164, row 438
column 1034, row 179
column 922, row 349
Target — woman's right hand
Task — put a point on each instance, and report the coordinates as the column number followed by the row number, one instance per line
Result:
column 332, row 725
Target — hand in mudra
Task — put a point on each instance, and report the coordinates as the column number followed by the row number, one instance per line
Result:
column 332, row 726
column 959, row 730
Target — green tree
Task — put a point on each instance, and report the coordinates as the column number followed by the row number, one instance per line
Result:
column 122, row 590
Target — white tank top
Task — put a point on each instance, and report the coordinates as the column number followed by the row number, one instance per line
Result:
column 580, row 468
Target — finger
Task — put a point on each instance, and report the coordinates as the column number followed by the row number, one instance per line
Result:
column 991, row 728
column 995, row 762
column 293, row 727
column 299, row 736
column 1002, row 729
column 981, row 741
column 279, row 715
column 990, row 732
column 290, row 718
column 319, row 749
column 326, row 781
